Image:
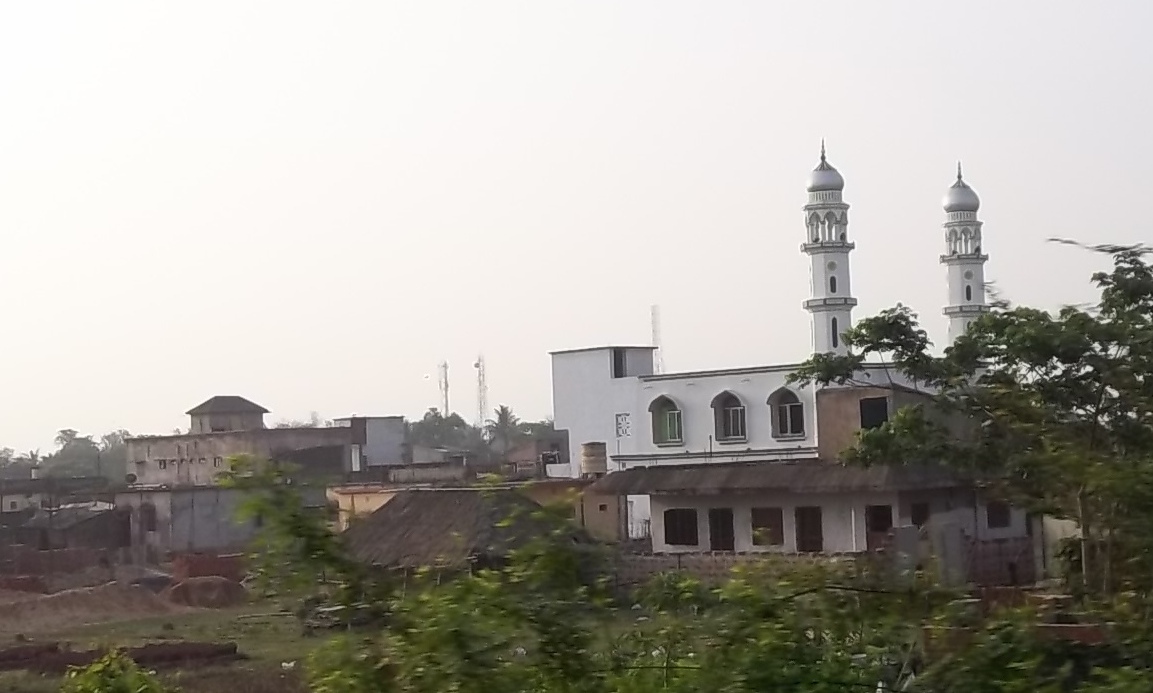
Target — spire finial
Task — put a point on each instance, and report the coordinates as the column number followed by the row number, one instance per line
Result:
column 958, row 170
column 822, row 149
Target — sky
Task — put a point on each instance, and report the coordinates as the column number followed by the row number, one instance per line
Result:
column 311, row 204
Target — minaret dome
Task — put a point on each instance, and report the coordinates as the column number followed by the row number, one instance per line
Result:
column 824, row 177
column 960, row 197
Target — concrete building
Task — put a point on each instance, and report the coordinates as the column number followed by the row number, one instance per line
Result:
column 191, row 519
column 720, row 423
column 228, row 425
column 226, row 413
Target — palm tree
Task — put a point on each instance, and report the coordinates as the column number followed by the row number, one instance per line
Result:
column 503, row 430
column 66, row 436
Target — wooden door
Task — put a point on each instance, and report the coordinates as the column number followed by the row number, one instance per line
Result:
column 810, row 531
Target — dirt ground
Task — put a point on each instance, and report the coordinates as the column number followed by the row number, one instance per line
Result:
column 76, row 607
column 262, row 631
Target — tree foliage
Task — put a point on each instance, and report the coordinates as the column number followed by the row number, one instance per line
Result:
column 113, row 673
column 538, row 623
column 1055, row 411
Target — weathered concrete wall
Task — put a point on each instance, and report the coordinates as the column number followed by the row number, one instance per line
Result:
column 196, row 460
column 208, row 423
column 842, row 519
column 839, row 414
column 191, row 520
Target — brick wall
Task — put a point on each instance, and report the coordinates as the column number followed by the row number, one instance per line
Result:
column 713, row 568
column 25, row 560
column 188, row 565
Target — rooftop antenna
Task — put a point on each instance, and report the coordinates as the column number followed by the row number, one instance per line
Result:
column 442, row 370
column 655, row 319
column 481, row 391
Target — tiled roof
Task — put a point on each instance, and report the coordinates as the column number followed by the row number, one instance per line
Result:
column 427, row 527
column 227, row 404
column 794, row 477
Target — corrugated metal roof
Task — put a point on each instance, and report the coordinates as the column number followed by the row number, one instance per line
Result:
column 427, row 527
column 67, row 516
column 794, row 477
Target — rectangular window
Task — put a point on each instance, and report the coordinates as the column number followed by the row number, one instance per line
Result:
column 919, row 514
column 11, row 505
column 998, row 515
column 618, row 363
column 670, row 427
column 878, row 518
column 733, row 423
column 163, row 464
column 681, row 527
column 768, row 527
column 810, row 529
column 874, row 412
column 791, row 419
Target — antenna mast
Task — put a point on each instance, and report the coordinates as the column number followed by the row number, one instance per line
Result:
column 655, row 318
column 442, row 370
column 481, row 392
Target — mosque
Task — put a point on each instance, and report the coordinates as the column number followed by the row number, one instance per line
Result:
column 738, row 458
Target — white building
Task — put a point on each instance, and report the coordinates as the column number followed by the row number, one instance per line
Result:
column 704, row 450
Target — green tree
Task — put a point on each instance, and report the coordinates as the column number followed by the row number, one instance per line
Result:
column 504, row 430
column 435, row 430
column 1055, row 411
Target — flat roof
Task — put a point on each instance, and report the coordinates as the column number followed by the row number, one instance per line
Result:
column 602, row 348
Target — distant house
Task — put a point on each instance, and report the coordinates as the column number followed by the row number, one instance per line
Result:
column 807, row 506
column 228, row 425
column 226, row 413
column 20, row 495
column 451, row 528
column 192, row 519
column 83, row 525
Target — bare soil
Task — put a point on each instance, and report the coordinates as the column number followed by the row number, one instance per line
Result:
column 86, row 605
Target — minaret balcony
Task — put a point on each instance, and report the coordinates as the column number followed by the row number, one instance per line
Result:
column 818, row 247
column 830, row 303
column 963, row 258
column 968, row 309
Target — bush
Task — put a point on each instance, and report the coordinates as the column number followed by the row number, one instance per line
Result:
column 114, row 673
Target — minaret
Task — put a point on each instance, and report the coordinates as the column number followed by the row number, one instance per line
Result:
column 827, row 245
column 964, row 257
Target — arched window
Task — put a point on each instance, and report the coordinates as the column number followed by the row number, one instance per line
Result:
column 836, row 333
column 729, row 415
column 968, row 292
column 788, row 414
column 833, row 285
column 666, row 421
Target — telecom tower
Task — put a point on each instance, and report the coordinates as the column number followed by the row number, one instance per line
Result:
column 442, row 370
column 481, row 392
column 655, row 318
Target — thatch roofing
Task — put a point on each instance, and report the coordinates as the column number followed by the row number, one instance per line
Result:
column 449, row 527
column 793, row 477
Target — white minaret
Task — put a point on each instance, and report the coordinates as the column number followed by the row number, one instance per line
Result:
column 827, row 245
column 964, row 257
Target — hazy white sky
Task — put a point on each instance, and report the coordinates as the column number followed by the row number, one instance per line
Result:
column 311, row 204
